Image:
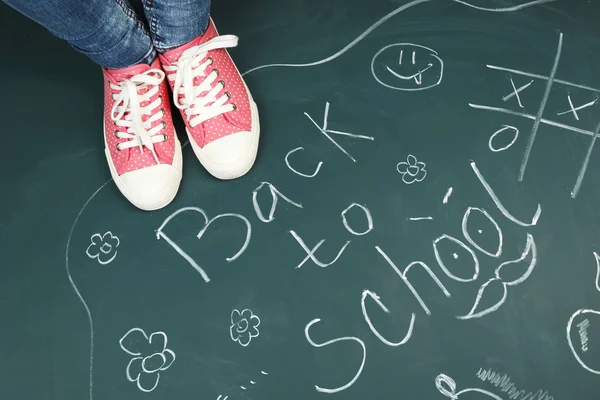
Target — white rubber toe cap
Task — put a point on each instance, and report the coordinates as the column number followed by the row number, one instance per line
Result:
column 152, row 187
column 229, row 157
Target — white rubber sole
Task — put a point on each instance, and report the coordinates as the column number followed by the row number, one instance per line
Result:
column 239, row 167
column 161, row 197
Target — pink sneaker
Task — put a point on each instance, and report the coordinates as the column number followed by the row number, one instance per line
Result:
column 220, row 116
column 142, row 149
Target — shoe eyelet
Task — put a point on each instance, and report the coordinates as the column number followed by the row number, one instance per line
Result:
column 228, row 95
column 210, row 60
column 216, row 71
column 234, row 106
column 222, row 83
column 164, row 125
column 117, row 134
column 118, row 147
column 162, row 111
column 165, row 137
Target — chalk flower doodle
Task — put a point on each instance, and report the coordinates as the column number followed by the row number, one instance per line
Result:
column 244, row 326
column 151, row 356
column 103, row 247
column 412, row 170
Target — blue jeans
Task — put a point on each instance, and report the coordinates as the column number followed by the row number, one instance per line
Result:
column 109, row 31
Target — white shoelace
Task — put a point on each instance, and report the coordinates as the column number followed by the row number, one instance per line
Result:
column 197, row 105
column 128, row 113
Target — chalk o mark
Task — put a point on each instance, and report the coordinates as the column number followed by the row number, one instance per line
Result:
column 367, row 214
column 287, row 162
column 443, row 266
column 504, row 129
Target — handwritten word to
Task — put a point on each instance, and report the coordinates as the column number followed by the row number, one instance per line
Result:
column 103, row 247
column 244, row 326
column 504, row 383
column 145, row 367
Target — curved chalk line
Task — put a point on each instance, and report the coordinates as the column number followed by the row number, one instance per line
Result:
column 387, row 17
column 87, row 309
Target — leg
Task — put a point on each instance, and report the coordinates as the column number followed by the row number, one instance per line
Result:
column 107, row 31
column 176, row 22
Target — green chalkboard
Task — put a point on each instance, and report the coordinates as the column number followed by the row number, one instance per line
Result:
column 421, row 222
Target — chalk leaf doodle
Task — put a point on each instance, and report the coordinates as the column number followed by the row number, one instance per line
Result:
column 103, row 247
column 151, row 356
column 244, row 326
column 411, row 170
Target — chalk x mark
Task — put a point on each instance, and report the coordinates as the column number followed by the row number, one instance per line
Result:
column 516, row 92
column 575, row 109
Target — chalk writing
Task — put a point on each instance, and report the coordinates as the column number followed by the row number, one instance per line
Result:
column 516, row 91
column 438, row 257
column 447, row 195
column 329, row 342
column 287, row 162
column 103, row 247
column 471, row 241
column 412, row 79
column 505, row 128
column 377, row 300
column 582, row 312
column 323, row 129
column 368, row 216
column 275, row 195
column 538, row 118
column 583, row 327
column 411, row 170
column 144, row 369
column 244, row 326
column 503, row 382
column 447, row 387
column 310, row 253
column 160, row 234
column 597, row 257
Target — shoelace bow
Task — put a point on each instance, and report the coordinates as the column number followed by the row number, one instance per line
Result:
column 200, row 102
column 128, row 113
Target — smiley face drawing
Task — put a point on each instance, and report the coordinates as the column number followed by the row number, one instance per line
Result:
column 406, row 66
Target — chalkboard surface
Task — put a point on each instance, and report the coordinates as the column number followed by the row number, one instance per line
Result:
column 421, row 223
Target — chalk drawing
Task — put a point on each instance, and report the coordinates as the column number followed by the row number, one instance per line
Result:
column 310, row 253
column 329, row 342
column 447, row 387
column 530, row 249
column 498, row 204
column 583, row 334
column 574, row 109
column 162, row 235
column 376, row 299
column 144, row 368
column 103, row 247
column 420, row 218
column 244, row 326
column 597, row 257
column 433, row 65
column 515, row 92
column 575, row 353
column 323, row 129
column 275, row 195
column 287, row 162
column 472, row 242
column 447, row 196
column 505, row 128
column 368, row 216
column 503, row 382
column 438, row 257
column 404, row 277
column 384, row 19
column 411, row 170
